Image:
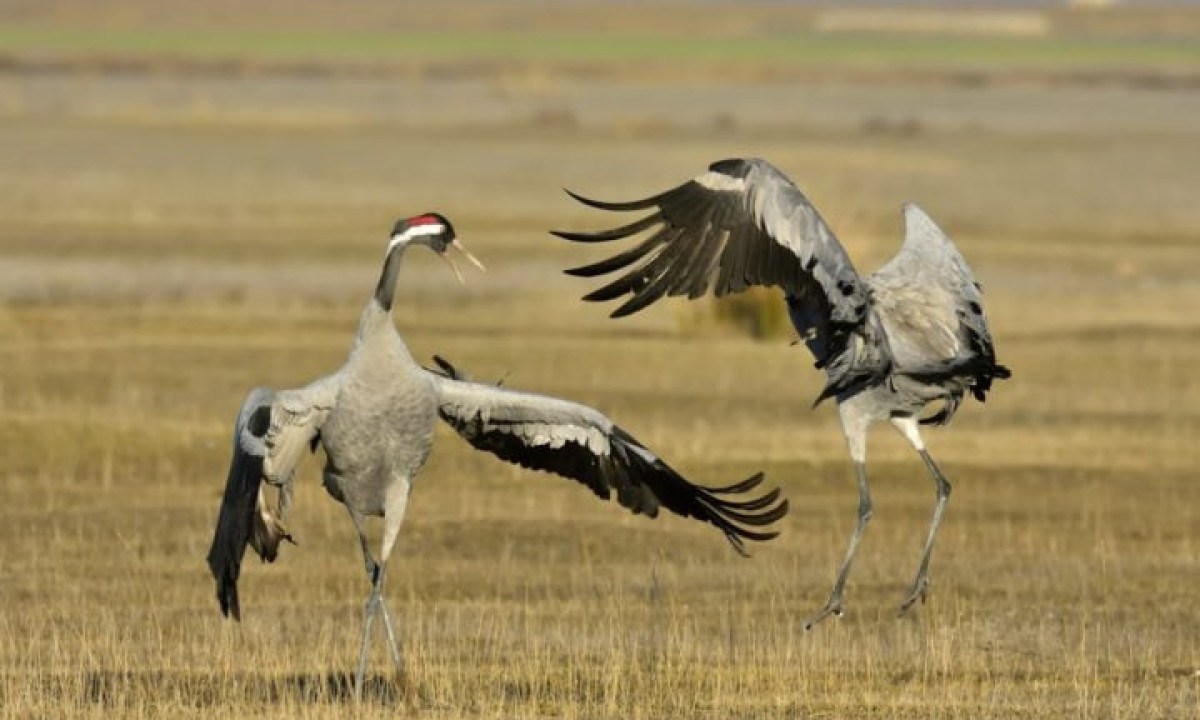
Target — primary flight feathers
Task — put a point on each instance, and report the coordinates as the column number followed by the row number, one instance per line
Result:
column 744, row 223
column 577, row 442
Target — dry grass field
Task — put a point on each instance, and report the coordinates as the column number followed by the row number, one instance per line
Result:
column 187, row 210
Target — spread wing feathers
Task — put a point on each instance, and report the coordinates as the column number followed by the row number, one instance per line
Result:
column 742, row 223
column 296, row 419
column 272, row 430
column 577, row 442
column 745, row 223
column 932, row 309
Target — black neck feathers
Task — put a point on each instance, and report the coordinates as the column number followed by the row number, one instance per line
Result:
column 385, row 290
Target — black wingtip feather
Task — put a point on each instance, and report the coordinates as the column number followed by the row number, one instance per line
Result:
column 631, row 306
column 756, row 504
column 740, row 487
column 755, row 519
column 616, row 233
column 574, row 236
column 615, row 289
column 620, row 207
column 593, row 269
column 618, row 261
column 737, row 544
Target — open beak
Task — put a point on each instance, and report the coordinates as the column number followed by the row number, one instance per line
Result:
column 474, row 261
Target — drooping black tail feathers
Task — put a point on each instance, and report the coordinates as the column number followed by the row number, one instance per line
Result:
column 242, row 521
column 979, row 371
column 235, row 528
column 983, row 380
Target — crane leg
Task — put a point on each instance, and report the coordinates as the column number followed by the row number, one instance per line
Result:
column 910, row 429
column 376, row 571
column 395, row 504
column 834, row 605
column 388, row 628
column 374, row 601
column 920, row 585
column 375, row 605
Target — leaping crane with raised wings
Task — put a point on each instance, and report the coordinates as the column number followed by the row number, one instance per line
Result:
column 894, row 345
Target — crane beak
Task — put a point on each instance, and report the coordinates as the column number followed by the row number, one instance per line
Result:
column 454, row 267
column 474, row 261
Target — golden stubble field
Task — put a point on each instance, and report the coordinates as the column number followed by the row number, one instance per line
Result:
column 168, row 241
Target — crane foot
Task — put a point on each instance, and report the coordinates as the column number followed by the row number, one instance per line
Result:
column 919, row 591
column 833, row 607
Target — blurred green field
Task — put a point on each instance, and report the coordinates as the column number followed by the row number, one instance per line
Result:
column 766, row 37
column 170, row 238
column 805, row 48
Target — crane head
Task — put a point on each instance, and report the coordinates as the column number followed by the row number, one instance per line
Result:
column 435, row 232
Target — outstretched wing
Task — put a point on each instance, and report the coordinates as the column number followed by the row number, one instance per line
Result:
column 577, row 442
column 932, row 309
column 742, row 223
column 272, row 431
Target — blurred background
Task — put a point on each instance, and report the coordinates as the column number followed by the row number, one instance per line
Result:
column 195, row 198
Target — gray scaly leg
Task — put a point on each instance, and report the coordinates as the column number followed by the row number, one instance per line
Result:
column 834, row 606
column 920, row 585
column 395, row 503
column 375, row 573
column 397, row 660
column 369, row 612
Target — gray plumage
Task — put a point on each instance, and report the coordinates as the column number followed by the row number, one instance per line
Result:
column 375, row 418
column 907, row 340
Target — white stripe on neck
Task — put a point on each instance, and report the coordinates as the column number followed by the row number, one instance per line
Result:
column 414, row 232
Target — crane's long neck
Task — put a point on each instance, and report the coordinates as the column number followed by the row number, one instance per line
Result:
column 377, row 314
column 385, row 289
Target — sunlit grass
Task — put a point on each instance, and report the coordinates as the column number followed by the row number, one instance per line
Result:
column 521, row 596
